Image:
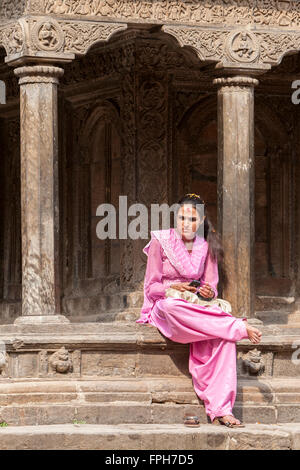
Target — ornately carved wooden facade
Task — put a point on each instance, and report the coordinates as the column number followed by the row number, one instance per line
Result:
column 149, row 99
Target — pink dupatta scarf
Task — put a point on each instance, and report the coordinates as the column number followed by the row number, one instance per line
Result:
column 188, row 266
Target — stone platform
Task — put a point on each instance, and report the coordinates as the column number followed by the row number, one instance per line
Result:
column 113, row 375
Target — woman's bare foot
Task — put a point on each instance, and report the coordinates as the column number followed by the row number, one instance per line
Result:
column 229, row 418
column 253, row 333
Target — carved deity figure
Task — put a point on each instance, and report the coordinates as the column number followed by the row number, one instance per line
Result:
column 60, row 361
column 145, row 10
column 160, row 9
column 104, row 7
column 3, row 360
column 83, row 7
column 48, row 36
column 254, row 363
column 128, row 10
column 243, row 47
column 62, row 7
column 177, row 11
column 197, row 12
column 16, row 39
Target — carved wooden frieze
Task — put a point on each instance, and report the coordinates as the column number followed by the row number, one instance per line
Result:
column 12, row 8
column 263, row 13
column 37, row 35
column 274, row 46
column 12, row 38
column 208, row 45
column 52, row 36
column 79, row 36
column 283, row 14
column 238, row 46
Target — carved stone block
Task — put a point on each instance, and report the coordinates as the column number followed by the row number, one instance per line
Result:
column 60, row 362
column 3, row 364
column 253, row 363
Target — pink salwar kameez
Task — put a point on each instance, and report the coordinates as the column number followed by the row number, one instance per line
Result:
column 211, row 332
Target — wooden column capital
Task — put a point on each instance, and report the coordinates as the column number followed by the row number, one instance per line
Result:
column 38, row 74
column 235, row 82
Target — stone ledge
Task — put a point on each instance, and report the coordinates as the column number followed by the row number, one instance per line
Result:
column 93, row 334
column 275, row 330
column 126, row 349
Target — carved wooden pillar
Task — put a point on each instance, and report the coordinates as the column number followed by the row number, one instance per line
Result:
column 236, row 188
column 39, row 194
column 11, row 212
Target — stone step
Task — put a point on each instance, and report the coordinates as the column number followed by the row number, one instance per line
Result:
column 150, row 437
column 130, row 400
column 166, row 389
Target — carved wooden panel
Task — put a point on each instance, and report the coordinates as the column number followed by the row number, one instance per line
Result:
column 11, row 211
column 92, row 176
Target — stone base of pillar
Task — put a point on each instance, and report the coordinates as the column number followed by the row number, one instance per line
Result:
column 41, row 319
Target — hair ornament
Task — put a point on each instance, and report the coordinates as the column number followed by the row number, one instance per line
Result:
column 194, row 195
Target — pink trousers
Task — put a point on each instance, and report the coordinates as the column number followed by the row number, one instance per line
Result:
column 212, row 335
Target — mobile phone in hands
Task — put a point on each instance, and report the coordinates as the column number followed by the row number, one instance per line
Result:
column 196, row 283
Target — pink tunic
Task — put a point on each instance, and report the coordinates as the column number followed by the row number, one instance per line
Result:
column 211, row 332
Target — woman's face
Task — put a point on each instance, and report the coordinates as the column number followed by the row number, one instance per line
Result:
column 188, row 221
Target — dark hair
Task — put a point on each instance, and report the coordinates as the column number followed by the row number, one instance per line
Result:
column 210, row 234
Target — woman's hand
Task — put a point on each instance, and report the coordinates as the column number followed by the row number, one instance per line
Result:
column 182, row 286
column 206, row 291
